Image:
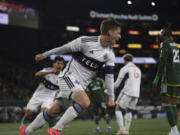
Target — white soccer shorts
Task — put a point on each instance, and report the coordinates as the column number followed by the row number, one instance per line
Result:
column 68, row 87
column 40, row 101
column 125, row 101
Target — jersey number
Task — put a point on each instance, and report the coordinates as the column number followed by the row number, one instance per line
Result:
column 136, row 74
column 176, row 56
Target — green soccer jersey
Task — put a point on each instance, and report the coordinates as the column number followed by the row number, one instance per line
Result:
column 171, row 72
column 96, row 90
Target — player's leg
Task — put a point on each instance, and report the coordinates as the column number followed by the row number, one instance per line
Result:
column 47, row 102
column 129, row 112
column 169, row 100
column 81, row 102
column 121, row 108
column 119, row 113
column 105, row 113
column 32, row 107
column 44, row 117
column 96, row 117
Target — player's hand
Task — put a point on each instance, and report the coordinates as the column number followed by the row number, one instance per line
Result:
column 155, row 82
column 55, row 71
column 39, row 57
column 111, row 103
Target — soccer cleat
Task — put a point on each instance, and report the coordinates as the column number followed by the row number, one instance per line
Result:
column 109, row 129
column 125, row 132
column 122, row 132
column 22, row 130
column 52, row 131
column 171, row 133
column 96, row 130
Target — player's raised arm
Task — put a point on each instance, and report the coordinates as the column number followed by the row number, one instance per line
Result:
column 73, row 46
column 45, row 72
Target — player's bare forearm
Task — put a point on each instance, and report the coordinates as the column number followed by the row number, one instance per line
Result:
column 42, row 74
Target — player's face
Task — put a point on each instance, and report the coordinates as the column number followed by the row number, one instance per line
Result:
column 115, row 35
column 58, row 65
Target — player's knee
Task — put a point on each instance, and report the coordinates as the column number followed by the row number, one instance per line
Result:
column 29, row 112
column 118, row 108
column 85, row 104
column 55, row 110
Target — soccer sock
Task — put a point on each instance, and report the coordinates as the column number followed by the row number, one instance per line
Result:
column 96, row 119
column 128, row 119
column 174, row 129
column 107, row 119
column 37, row 123
column 119, row 118
column 175, row 113
column 68, row 116
column 170, row 114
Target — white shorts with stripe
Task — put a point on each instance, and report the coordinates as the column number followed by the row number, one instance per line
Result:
column 68, row 87
column 125, row 101
column 40, row 100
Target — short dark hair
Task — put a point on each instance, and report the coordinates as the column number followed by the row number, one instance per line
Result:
column 58, row 58
column 167, row 31
column 107, row 25
column 128, row 57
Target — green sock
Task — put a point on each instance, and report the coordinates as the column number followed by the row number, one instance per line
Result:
column 170, row 114
column 107, row 119
column 52, row 122
column 175, row 114
column 96, row 117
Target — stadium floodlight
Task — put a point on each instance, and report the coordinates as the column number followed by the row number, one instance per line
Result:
column 154, row 32
column 135, row 46
column 72, row 28
column 129, row 2
column 153, row 4
column 154, row 46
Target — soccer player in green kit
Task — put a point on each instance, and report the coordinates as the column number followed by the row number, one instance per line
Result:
column 96, row 92
column 169, row 72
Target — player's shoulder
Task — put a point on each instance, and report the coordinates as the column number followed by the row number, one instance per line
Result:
column 170, row 43
column 85, row 39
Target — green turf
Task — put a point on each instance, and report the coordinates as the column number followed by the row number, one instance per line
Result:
column 138, row 127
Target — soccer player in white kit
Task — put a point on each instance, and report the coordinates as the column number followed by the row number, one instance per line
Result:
column 45, row 93
column 128, row 97
column 90, row 53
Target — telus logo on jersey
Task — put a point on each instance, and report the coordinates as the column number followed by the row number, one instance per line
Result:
column 87, row 62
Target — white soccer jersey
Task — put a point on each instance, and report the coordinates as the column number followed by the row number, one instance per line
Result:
column 133, row 81
column 88, row 57
column 48, row 85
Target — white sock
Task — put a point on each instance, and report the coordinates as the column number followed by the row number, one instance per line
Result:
column 68, row 116
column 174, row 130
column 37, row 123
column 128, row 119
column 119, row 118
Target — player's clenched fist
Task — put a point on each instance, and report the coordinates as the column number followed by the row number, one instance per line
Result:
column 39, row 57
column 111, row 103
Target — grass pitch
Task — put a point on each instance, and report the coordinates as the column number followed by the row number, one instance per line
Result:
column 138, row 127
